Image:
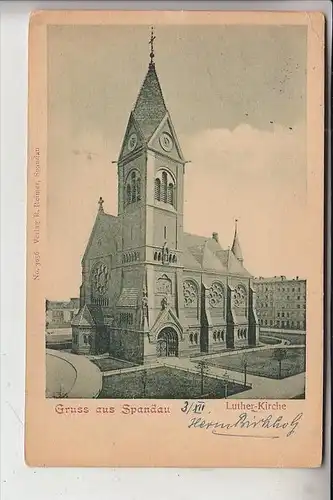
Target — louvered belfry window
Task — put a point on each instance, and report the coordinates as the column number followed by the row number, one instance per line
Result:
column 164, row 188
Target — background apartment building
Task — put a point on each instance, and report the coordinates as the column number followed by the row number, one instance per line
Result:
column 59, row 314
column 281, row 302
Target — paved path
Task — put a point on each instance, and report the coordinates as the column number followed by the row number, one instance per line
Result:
column 87, row 382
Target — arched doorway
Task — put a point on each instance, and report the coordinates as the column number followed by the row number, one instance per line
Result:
column 167, row 342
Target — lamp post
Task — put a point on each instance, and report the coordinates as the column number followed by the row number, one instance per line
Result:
column 244, row 364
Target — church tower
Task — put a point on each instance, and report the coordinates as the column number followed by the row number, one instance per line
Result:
column 150, row 204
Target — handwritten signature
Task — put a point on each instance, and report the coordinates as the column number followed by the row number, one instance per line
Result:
column 244, row 421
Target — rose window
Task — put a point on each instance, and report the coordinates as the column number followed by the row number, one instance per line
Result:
column 190, row 294
column 100, row 279
column 216, row 295
column 239, row 296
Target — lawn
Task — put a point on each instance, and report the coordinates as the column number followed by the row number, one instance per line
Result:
column 261, row 363
column 164, row 383
column 294, row 338
column 106, row 364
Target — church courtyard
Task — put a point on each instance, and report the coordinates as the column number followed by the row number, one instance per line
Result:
column 262, row 362
column 167, row 383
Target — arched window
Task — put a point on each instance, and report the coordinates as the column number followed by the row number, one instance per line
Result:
column 170, row 193
column 216, row 297
column 190, row 291
column 133, row 187
column 196, row 338
column 164, row 285
column 158, row 189
column 128, row 193
column 191, row 338
column 240, row 300
column 164, row 187
column 138, row 189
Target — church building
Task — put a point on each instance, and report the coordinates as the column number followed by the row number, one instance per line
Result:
column 149, row 289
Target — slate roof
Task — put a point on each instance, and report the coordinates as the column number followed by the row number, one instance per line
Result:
column 83, row 318
column 107, row 224
column 89, row 315
column 200, row 253
column 96, row 313
column 128, row 297
column 205, row 253
column 149, row 109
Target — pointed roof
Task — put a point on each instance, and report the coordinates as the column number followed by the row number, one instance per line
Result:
column 236, row 248
column 207, row 254
column 150, row 108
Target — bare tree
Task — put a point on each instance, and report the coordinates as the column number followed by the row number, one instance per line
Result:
column 203, row 366
column 279, row 354
column 244, row 365
column 144, row 382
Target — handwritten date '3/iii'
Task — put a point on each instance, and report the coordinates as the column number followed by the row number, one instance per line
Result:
column 264, row 426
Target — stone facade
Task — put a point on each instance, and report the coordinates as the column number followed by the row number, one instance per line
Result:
column 148, row 288
column 281, row 302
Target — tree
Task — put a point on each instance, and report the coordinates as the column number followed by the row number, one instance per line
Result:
column 144, row 382
column 244, row 365
column 279, row 354
column 203, row 366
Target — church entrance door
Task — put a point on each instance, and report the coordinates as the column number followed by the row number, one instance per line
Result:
column 167, row 343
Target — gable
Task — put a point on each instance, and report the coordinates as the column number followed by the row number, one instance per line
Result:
column 165, row 141
column 103, row 238
column 166, row 317
column 133, row 138
column 83, row 318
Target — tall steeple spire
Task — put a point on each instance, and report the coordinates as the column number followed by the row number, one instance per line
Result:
column 236, row 248
column 150, row 108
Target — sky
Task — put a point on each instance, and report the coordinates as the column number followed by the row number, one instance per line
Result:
column 237, row 99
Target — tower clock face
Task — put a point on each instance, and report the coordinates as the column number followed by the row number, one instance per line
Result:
column 132, row 142
column 166, row 141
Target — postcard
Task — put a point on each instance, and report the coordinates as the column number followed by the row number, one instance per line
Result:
column 175, row 239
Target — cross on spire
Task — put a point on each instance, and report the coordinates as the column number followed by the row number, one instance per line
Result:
column 151, row 43
column 100, row 202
